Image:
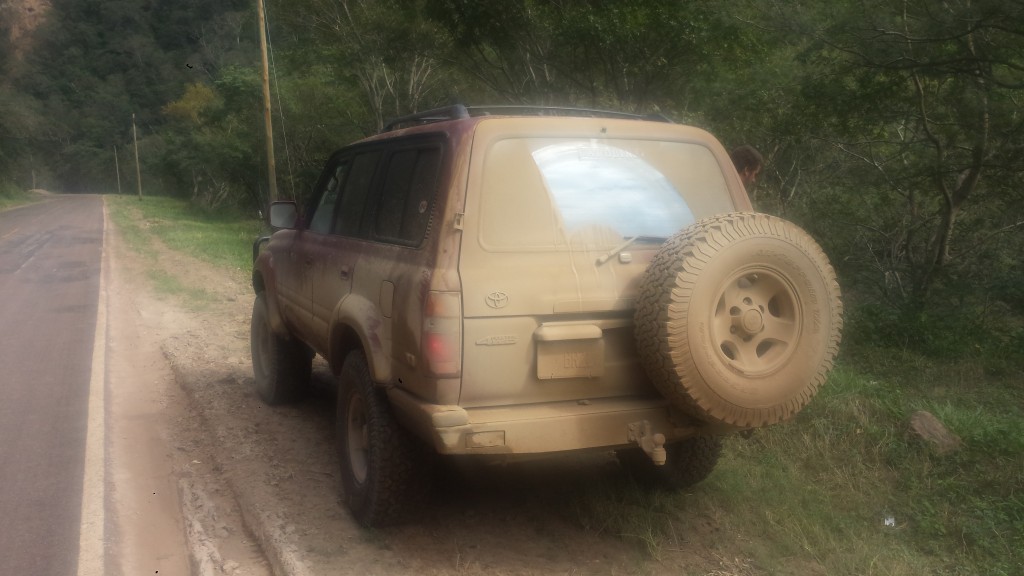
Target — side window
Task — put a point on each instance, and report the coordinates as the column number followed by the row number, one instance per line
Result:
column 324, row 213
column 356, row 190
column 404, row 210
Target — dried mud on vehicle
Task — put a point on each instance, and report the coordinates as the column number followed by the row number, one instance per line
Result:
column 516, row 282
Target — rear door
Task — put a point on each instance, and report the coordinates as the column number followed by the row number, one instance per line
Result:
column 561, row 222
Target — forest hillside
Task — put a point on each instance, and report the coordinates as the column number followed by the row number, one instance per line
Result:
column 893, row 131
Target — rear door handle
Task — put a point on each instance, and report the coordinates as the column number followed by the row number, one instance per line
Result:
column 345, row 273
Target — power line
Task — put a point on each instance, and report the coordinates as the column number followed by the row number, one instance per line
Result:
column 280, row 111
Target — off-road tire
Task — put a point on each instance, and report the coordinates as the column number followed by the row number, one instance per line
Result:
column 689, row 462
column 281, row 367
column 385, row 472
column 738, row 319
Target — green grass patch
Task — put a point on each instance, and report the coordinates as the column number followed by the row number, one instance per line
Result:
column 222, row 238
column 812, row 496
column 11, row 196
column 128, row 219
column 197, row 298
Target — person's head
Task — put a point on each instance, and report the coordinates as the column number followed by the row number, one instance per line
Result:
column 748, row 162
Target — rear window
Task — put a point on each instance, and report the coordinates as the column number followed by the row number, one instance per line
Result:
column 551, row 193
column 407, row 195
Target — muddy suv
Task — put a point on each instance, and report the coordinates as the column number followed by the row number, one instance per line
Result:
column 513, row 281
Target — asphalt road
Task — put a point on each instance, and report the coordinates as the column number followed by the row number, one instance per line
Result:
column 49, row 289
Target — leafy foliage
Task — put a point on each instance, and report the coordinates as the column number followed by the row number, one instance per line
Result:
column 892, row 130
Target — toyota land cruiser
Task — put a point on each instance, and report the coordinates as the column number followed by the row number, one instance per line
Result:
column 515, row 281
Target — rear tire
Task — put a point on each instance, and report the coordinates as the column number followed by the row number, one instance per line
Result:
column 281, row 367
column 384, row 471
column 689, row 462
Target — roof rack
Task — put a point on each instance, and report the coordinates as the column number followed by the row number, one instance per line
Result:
column 454, row 112
column 460, row 111
column 518, row 110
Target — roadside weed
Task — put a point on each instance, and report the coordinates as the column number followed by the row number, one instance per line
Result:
column 221, row 238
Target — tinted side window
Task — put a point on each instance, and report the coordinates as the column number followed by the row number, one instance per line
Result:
column 322, row 215
column 356, row 190
column 404, row 210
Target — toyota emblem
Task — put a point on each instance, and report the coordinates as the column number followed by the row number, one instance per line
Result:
column 497, row 299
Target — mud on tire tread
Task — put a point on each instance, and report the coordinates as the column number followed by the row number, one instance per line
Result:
column 683, row 362
column 281, row 367
column 398, row 470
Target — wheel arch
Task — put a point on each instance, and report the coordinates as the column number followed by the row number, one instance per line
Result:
column 261, row 284
column 356, row 325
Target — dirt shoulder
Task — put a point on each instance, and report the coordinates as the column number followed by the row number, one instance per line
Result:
column 174, row 511
column 279, row 466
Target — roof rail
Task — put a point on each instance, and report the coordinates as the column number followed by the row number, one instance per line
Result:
column 459, row 111
column 453, row 112
column 518, row 110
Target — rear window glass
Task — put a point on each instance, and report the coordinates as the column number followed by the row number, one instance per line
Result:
column 404, row 210
column 551, row 193
column 357, row 188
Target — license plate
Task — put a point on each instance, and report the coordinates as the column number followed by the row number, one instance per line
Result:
column 570, row 359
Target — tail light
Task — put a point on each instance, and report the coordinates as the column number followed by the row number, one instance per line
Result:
column 442, row 333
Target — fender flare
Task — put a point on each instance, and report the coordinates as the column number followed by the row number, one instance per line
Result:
column 264, row 280
column 358, row 321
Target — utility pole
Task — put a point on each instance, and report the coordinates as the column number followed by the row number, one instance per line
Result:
column 117, row 169
column 271, row 168
column 138, row 173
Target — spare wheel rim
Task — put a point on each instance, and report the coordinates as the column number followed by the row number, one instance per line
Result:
column 756, row 322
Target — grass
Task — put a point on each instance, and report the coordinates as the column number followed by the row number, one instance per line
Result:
column 807, row 497
column 11, row 196
column 812, row 496
column 220, row 238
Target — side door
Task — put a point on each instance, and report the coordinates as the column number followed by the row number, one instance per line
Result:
column 295, row 260
column 335, row 254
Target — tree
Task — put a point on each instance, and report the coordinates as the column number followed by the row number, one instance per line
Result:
column 904, row 135
column 385, row 49
column 601, row 53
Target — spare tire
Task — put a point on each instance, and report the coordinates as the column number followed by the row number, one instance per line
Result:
column 738, row 319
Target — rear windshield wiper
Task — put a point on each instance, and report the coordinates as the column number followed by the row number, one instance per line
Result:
column 629, row 242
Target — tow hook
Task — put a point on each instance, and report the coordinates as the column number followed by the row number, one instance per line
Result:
column 652, row 444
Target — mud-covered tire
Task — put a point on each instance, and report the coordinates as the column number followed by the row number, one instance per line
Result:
column 689, row 462
column 385, row 473
column 281, row 367
column 738, row 319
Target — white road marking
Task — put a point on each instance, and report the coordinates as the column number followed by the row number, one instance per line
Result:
column 92, row 529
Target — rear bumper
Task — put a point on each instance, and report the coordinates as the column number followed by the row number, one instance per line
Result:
column 536, row 428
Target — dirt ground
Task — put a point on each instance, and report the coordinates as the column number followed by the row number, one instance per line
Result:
column 249, row 474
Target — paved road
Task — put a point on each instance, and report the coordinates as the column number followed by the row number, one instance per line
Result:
column 49, row 288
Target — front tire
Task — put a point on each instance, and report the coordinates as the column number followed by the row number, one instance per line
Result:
column 384, row 471
column 281, row 367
